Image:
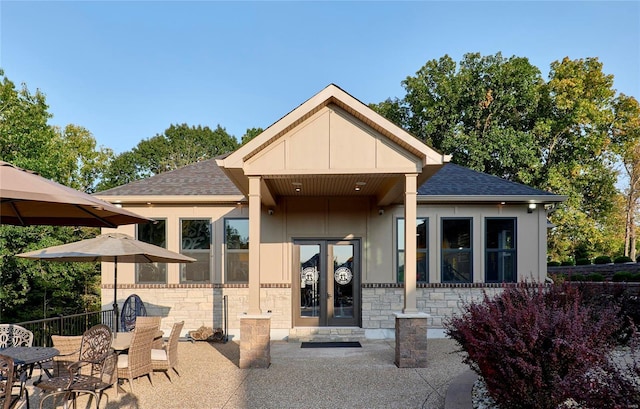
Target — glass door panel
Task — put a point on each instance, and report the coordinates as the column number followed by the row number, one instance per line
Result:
column 310, row 280
column 342, row 291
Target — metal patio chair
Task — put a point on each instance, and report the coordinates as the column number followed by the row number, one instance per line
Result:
column 132, row 308
column 87, row 373
column 15, row 336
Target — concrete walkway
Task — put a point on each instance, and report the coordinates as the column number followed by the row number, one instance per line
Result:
column 297, row 378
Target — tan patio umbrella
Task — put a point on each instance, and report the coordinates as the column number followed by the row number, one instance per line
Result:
column 27, row 198
column 112, row 247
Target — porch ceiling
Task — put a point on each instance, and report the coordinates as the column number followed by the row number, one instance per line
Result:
column 330, row 185
column 384, row 188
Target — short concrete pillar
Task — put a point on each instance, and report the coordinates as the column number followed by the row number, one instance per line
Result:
column 411, row 340
column 255, row 341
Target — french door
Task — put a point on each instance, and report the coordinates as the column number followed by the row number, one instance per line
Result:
column 327, row 283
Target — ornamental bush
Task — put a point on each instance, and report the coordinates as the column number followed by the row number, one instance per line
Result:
column 553, row 263
column 620, row 276
column 625, row 298
column 568, row 262
column 622, row 259
column 602, row 260
column 537, row 347
column 583, row 262
column 595, row 277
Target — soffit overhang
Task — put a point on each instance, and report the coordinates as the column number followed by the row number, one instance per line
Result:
column 307, row 153
column 173, row 199
column 491, row 199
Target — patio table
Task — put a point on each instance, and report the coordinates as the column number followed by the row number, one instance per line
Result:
column 25, row 358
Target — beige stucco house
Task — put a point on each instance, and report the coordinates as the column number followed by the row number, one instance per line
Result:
column 306, row 224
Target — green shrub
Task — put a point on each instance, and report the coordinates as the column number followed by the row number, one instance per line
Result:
column 569, row 262
column 558, row 278
column 602, row 260
column 622, row 276
column 622, row 259
column 535, row 346
column 635, row 278
column 553, row 263
column 577, row 277
column 583, row 262
column 595, row 277
column 625, row 298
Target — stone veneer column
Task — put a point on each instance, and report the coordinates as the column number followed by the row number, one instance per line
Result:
column 255, row 341
column 411, row 340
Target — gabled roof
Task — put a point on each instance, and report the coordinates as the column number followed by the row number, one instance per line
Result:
column 205, row 181
column 324, row 121
column 455, row 183
column 202, row 180
column 333, row 94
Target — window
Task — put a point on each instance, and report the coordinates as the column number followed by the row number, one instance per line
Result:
column 156, row 234
column 422, row 250
column 500, row 250
column 457, row 266
column 237, row 250
column 195, row 241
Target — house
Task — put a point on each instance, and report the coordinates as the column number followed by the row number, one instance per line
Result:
column 306, row 224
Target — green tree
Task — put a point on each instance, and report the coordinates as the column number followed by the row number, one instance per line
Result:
column 497, row 115
column 178, row 146
column 29, row 289
column 481, row 112
column 24, row 129
column 626, row 135
column 250, row 134
column 84, row 163
column 574, row 137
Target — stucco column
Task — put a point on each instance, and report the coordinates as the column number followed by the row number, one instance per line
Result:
column 254, row 245
column 410, row 251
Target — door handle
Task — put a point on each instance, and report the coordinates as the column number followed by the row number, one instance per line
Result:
column 328, row 296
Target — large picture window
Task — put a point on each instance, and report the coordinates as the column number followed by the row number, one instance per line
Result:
column 156, row 234
column 195, row 241
column 422, row 250
column 457, row 254
column 500, row 265
column 237, row 250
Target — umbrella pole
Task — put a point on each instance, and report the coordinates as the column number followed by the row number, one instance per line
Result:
column 115, row 292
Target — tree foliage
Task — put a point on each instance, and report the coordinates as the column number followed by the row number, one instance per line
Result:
column 499, row 116
column 29, row 289
column 626, row 136
column 250, row 134
column 178, row 146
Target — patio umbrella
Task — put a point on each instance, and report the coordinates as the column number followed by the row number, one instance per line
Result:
column 112, row 247
column 27, row 198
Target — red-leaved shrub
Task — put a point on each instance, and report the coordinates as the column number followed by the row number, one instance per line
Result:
column 537, row 346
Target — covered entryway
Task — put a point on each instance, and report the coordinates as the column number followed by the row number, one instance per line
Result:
column 326, row 287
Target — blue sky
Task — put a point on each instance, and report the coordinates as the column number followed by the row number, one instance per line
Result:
column 127, row 70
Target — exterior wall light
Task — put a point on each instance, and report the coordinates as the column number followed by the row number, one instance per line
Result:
column 531, row 208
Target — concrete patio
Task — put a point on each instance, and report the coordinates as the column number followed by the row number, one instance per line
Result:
column 297, row 378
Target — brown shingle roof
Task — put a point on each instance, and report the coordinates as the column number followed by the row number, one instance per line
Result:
column 199, row 179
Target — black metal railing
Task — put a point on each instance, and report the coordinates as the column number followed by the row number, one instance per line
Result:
column 75, row 324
